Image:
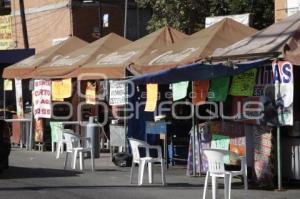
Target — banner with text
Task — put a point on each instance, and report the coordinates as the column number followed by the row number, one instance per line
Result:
column 42, row 99
column 5, row 32
column 117, row 93
column 283, row 80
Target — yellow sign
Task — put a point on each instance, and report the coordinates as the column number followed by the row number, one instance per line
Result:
column 90, row 93
column 152, row 91
column 5, row 32
column 61, row 89
column 8, row 85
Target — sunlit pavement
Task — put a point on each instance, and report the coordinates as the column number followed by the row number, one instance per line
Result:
column 39, row 175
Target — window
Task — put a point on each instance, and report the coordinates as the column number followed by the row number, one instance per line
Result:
column 105, row 20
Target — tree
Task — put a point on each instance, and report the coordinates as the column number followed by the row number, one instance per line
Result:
column 189, row 15
column 184, row 15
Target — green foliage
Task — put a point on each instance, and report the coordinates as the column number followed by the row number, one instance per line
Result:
column 189, row 15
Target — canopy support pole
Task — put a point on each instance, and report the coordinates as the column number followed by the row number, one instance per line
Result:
column 125, row 115
column 279, row 160
column 4, row 102
column 194, row 141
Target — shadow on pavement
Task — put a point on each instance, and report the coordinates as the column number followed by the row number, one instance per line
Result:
column 23, row 172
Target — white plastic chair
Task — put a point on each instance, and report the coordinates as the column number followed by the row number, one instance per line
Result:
column 142, row 161
column 216, row 168
column 75, row 148
column 60, row 139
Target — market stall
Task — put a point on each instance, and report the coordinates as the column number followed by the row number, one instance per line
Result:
column 250, row 78
column 21, row 73
column 190, row 50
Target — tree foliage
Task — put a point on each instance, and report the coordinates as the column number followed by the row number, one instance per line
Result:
column 189, row 15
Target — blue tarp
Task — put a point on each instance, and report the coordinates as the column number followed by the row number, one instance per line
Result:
column 198, row 71
column 9, row 57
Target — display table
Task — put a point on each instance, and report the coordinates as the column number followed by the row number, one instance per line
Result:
column 28, row 141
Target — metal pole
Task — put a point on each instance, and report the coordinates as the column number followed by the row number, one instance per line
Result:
column 4, row 103
column 125, row 18
column 125, row 114
column 194, row 141
column 24, row 26
column 279, row 160
column 193, row 138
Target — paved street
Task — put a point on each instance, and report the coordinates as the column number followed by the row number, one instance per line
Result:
column 39, row 175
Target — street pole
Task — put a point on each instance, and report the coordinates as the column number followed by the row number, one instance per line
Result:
column 279, row 160
column 125, row 18
column 24, row 26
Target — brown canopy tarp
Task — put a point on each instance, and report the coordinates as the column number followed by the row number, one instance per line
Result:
column 24, row 68
column 113, row 65
column 194, row 48
column 69, row 63
column 281, row 36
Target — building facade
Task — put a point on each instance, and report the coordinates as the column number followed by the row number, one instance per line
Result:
column 52, row 21
column 284, row 8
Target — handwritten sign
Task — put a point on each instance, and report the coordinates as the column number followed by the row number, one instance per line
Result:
column 42, row 99
column 243, row 84
column 8, row 85
column 117, row 93
column 5, row 32
column 179, row 90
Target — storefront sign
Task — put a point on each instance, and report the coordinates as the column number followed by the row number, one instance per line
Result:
column 42, row 99
column 19, row 98
column 117, row 92
column 5, row 32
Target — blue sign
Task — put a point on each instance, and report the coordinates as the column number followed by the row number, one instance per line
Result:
column 156, row 127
